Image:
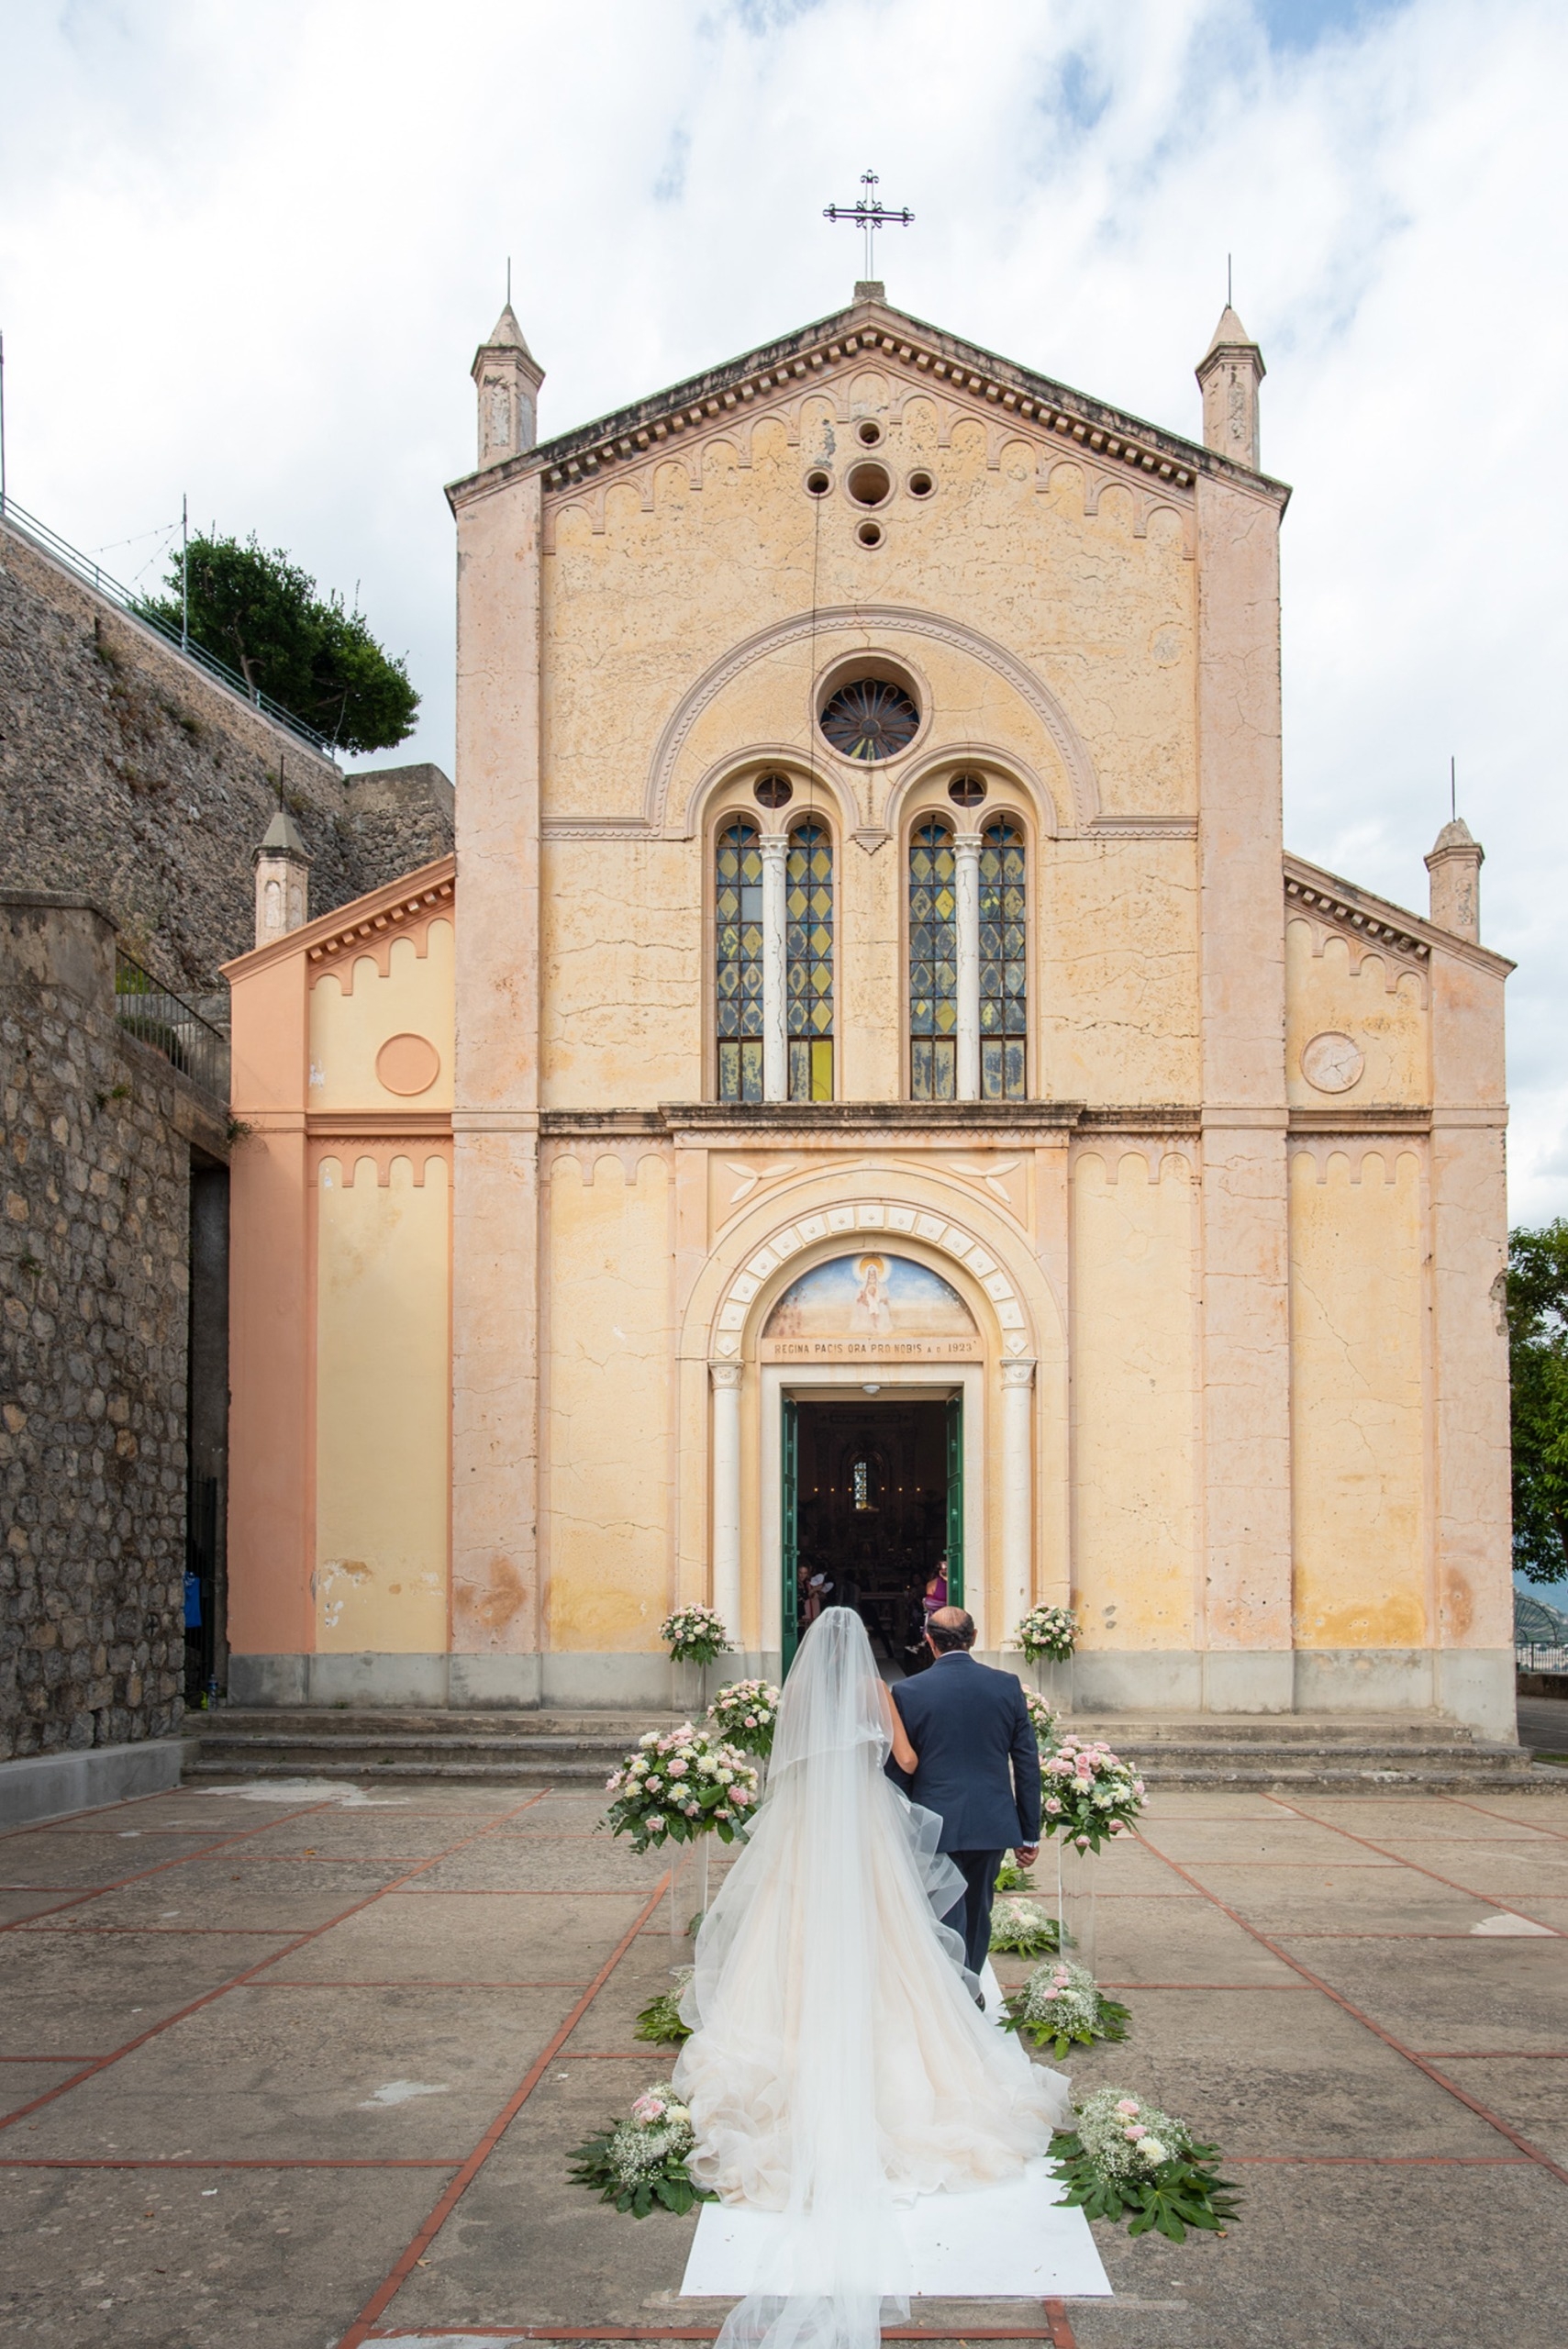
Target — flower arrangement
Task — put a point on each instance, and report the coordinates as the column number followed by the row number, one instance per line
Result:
column 1045, row 1632
column 678, row 1784
column 1043, row 1721
column 1063, row 2006
column 1090, row 1794
column 1129, row 2159
column 1023, row 1928
column 640, row 2164
column 694, row 1635
column 659, row 2020
column 746, row 1713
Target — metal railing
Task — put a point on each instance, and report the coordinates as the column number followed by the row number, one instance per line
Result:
column 72, row 559
column 171, row 1026
column 1535, row 1656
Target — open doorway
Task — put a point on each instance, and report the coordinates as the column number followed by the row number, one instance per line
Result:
column 873, row 1495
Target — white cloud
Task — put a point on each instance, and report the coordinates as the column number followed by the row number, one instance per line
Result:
column 248, row 251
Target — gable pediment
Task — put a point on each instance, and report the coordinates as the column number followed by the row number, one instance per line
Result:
column 823, row 362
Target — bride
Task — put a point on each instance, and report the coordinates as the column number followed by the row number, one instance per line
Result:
column 840, row 2064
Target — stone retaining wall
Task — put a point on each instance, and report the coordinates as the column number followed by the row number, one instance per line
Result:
column 129, row 776
column 95, row 1222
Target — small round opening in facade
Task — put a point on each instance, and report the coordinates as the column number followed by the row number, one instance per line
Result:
column 871, row 718
column 967, row 790
column 819, row 483
column 870, row 534
column 921, row 485
column 867, row 434
column 869, row 485
column 772, row 791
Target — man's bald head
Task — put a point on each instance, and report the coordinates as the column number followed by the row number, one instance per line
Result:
column 950, row 1628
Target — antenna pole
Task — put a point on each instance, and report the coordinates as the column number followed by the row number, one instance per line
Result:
column 1228, row 298
column 185, row 574
column 509, row 280
column 1453, row 788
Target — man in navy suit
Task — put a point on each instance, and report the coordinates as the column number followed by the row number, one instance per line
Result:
column 977, row 1766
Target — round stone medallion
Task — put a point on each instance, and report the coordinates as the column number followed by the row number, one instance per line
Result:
column 407, row 1064
column 1332, row 1063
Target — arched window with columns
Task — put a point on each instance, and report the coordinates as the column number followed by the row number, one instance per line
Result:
column 968, row 961
column 1004, row 961
column 737, row 960
column 934, row 964
column 808, row 961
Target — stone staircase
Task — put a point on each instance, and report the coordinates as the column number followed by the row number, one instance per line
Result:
column 1414, row 1753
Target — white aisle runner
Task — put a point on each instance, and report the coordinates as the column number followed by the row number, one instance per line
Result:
column 1008, row 2241
column 1013, row 2240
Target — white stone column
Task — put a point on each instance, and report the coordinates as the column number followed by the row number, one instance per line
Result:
column 775, row 1045
column 726, row 1377
column 966, row 857
column 1018, row 1493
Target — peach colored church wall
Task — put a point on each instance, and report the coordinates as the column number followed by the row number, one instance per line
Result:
column 1357, row 1409
column 366, row 1029
column 636, row 611
column 1135, row 1401
column 1380, row 1003
column 383, row 1388
column 609, row 1405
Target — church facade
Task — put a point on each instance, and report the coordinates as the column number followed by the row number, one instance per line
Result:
column 872, row 1088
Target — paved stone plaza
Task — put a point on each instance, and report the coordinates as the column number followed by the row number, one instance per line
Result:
column 301, row 2067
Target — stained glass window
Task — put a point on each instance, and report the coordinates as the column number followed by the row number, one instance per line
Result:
column 1004, row 963
column 737, row 898
column 933, row 965
column 808, row 961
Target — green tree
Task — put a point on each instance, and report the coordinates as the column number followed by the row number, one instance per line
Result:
column 264, row 616
column 1538, row 1363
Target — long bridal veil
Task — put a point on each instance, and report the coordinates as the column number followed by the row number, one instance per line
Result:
column 840, row 2064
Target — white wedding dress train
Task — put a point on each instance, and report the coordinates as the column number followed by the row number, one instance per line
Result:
column 840, row 2064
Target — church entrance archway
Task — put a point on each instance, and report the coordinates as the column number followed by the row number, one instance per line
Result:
column 872, row 1506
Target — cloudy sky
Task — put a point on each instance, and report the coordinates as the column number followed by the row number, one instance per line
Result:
column 247, row 248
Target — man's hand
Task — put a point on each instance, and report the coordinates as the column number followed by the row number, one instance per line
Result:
column 1026, row 1855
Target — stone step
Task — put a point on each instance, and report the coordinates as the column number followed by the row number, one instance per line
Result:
column 1305, row 1752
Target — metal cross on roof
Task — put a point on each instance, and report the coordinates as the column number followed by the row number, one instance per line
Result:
column 869, row 214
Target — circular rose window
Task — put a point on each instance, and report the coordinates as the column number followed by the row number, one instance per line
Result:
column 872, row 718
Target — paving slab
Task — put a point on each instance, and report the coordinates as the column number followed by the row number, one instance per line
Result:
column 52, row 1857
column 1528, row 2092
column 1189, row 1941
column 232, row 1890
column 1298, row 1841
column 527, row 2247
column 413, row 1836
column 411, row 2072
column 20, row 2083
column 546, row 1863
column 1376, row 1897
column 1261, row 2073
column 193, row 2259
column 471, row 1937
column 16, row 1907
column 1347, row 2258
column 1504, row 1994
column 89, row 1993
column 1493, row 1866
column 1411, row 1817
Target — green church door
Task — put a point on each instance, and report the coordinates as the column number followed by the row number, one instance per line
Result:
column 872, row 1493
column 955, row 1500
